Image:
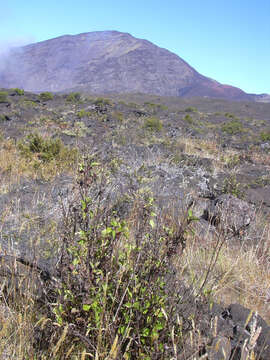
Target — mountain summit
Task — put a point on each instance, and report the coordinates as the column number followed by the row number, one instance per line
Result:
column 107, row 61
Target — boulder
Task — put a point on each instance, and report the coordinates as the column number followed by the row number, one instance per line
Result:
column 220, row 349
column 250, row 332
column 229, row 213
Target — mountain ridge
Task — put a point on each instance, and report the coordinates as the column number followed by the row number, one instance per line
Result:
column 107, row 62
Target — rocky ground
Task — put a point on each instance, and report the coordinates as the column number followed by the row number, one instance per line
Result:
column 202, row 159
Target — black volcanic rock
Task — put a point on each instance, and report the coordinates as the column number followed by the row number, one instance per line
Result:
column 107, row 61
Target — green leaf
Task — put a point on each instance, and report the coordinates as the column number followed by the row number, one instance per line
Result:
column 75, row 261
column 86, row 307
column 152, row 223
column 145, row 332
column 136, row 305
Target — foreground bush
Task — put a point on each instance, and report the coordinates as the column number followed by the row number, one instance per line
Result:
column 114, row 296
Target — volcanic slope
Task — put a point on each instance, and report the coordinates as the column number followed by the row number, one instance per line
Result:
column 105, row 62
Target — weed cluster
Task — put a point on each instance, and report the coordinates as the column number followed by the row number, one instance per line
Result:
column 188, row 119
column 73, row 97
column 47, row 149
column 153, row 124
column 232, row 127
column 102, row 101
column 44, row 156
column 83, row 114
column 191, row 109
column 46, row 96
column 3, row 96
column 18, row 91
column 265, row 135
column 231, row 186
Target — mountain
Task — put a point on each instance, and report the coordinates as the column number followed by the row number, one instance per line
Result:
column 107, row 61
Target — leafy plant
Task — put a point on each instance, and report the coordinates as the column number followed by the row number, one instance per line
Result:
column 46, row 96
column 231, row 186
column 79, row 130
column 230, row 116
column 265, row 135
column 74, row 97
column 18, row 91
column 102, row 101
column 232, row 127
column 153, row 124
column 114, row 287
column 191, row 109
column 46, row 149
column 83, row 113
column 188, row 119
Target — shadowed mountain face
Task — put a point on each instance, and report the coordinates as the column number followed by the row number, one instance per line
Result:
column 107, row 61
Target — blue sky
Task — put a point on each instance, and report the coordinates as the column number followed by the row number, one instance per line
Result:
column 227, row 40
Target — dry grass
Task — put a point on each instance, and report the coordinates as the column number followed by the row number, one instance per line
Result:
column 241, row 272
column 14, row 165
column 210, row 149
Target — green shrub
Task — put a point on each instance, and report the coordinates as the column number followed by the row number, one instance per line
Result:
column 231, row 186
column 232, row 127
column 18, row 91
column 229, row 116
column 83, row 113
column 188, row 119
column 117, row 288
column 46, row 148
column 153, row 124
column 78, row 130
column 74, row 97
column 46, row 96
column 191, row 109
column 155, row 107
column 102, row 101
column 3, row 96
column 4, row 117
column 265, row 135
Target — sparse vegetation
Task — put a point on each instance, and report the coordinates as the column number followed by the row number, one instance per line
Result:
column 3, row 96
column 74, row 97
column 265, row 135
column 232, row 127
column 83, row 113
column 46, row 96
column 233, row 187
column 153, row 124
column 102, row 101
column 188, row 119
column 18, row 91
column 191, row 109
column 229, row 116
column 78, row 130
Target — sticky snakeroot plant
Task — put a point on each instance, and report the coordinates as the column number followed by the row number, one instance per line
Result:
column 114, row 301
